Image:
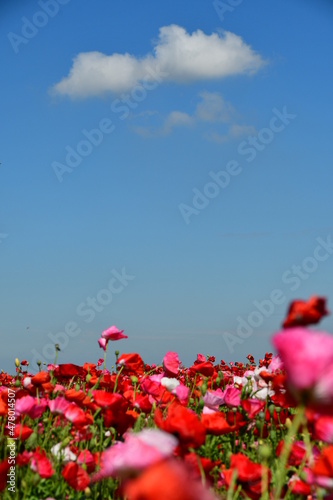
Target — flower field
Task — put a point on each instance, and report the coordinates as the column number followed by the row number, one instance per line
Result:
column 169, row 432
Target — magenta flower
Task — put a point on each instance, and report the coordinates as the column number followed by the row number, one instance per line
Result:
column 102, row 343
column 232, row 396
column 171, row 363
column 307, row 357
column 113, row 333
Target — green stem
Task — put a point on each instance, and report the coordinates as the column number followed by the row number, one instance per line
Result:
column 116, row 382
column 281, row 471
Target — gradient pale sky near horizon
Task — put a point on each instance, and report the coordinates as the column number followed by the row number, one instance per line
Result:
column 208, row 182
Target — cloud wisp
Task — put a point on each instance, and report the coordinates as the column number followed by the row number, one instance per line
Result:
column 178, row 56
column 211, row 109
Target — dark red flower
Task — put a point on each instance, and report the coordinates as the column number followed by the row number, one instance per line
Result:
column 302, row 313
column 4, row 468
column 68, row 370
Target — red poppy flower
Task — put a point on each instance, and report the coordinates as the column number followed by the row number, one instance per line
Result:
column 4, row 468
column 68, row 370
column 75, row 396
column 75, row 476
column 19, row 431
column 249, row 475
column 252, row 406
column 324, row 465
column 205, row 463
column 298, row 487
column 216, row 424
column 183, row 423
column 112, row 401
column 302, row 313
column 41, row 464
column 206, row 368
column 131, row 362
column 40, row 378
column 297, row 452
column 166, row 480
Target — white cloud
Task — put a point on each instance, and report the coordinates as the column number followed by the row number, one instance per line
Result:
column 233, row 132
column 177, row 55
column 212, row 108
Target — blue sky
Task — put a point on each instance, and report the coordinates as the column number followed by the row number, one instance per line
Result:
column 166, row 167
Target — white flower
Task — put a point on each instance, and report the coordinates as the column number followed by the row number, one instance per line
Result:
column 170, row 383
column 63, row 453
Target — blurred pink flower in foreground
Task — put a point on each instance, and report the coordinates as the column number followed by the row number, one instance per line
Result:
column 307, row 357
column 139, row 450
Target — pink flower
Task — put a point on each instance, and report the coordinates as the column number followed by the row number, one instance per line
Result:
column 213, row 399
column 58, row 405
column 41, row 464
column 102, row 343
column 113, row 333
column 137, row 452
column 307, row 357
column 171, row 363
column 29, row 406
column 232, row 396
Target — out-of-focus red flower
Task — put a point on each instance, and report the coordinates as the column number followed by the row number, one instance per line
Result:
column 216, row 423
column 4, row 468
column 249, row 475
column 193, row 461
column 298, row 487
column 164, row 481
column 121, row 419
column 77, row 416
column 206, row 368
column 323, row 469
column 41, row 464
column 69, row 370
column 75, row 476
column 3, row 408
column 19, row 431
column 183, row 423
column 86, row 457
column 302, row 313
column 75, row 396
column 112, row 401
column 131, row 362
column 40, row 378
column 252, row 406
column 296, row 455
